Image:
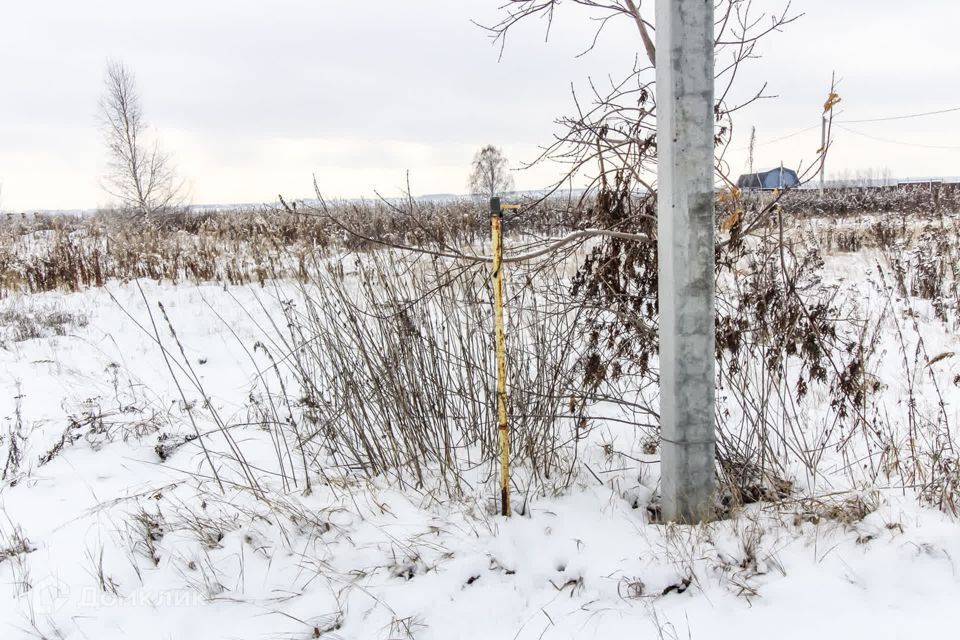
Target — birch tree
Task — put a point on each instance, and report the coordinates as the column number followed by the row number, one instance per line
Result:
column 491, row 173
column 140, row 176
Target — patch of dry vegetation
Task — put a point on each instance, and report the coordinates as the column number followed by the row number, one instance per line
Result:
column 61, row 252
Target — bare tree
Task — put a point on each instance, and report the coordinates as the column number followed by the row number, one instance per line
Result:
column 140, row 176
column 490, row 175
column 609, row 141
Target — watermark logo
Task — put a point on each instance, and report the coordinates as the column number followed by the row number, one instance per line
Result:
column 50, row 595
column 94, row 598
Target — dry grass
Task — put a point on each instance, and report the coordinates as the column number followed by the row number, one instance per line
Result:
column 60, row 252
column 64, row 252
column 25, row 321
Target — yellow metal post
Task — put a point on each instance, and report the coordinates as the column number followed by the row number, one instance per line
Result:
column 496, row 233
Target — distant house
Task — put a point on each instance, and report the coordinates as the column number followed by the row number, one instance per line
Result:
column 779, row 178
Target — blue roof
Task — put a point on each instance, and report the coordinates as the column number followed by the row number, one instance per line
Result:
column 779, row 178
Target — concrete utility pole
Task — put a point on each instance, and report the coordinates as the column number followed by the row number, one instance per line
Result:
column 685, row 240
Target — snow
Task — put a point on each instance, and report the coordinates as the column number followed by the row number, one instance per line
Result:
column 359, row 559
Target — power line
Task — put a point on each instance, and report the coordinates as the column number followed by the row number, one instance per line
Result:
column 900, row 142
column 789, row 135
column 864, row 120
column 904, row 117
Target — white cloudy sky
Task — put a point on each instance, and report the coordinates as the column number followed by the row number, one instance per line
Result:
column 252, row 97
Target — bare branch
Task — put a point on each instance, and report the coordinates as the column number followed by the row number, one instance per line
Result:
column 644, row 35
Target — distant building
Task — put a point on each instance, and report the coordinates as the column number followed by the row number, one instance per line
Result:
column 779, row 178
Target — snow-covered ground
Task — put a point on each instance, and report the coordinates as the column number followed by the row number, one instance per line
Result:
column 103, row 537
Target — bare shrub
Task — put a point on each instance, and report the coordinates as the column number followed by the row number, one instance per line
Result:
column 847, row 509
column 394, row 359
column 14, row 544
column 24, row 320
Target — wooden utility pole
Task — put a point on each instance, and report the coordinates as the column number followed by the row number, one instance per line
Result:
column 832, row 99
column 685, row 240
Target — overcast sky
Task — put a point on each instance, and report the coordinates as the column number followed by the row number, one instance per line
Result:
column 253, row 97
